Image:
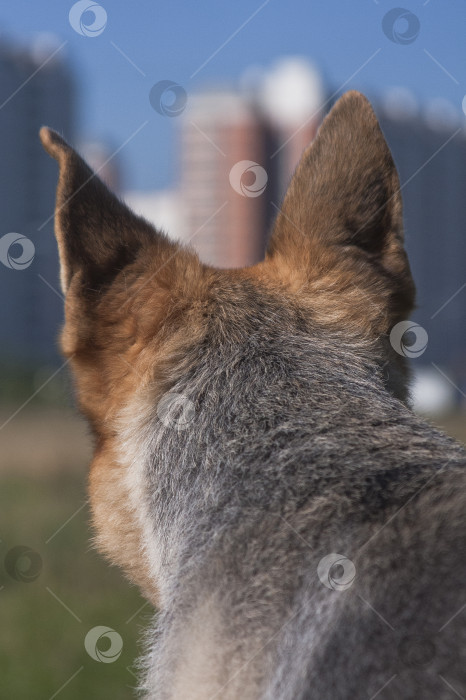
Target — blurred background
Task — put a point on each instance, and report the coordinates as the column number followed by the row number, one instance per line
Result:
column 196, row 115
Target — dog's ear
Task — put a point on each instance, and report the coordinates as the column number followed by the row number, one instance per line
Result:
column 340, row 226
column 97, row 234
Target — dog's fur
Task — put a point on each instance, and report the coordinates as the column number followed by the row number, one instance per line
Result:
column 299, row 442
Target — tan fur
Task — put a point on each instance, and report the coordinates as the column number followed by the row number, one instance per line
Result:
column 135, row 349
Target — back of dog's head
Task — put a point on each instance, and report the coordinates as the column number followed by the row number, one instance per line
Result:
column 143, row 313
column 133, row 296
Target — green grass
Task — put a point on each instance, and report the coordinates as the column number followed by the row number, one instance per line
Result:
column 41, row 642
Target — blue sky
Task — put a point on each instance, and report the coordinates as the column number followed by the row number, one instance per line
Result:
column 171, row 40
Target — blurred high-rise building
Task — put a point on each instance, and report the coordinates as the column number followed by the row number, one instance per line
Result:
column 429, row 149
column 36, row 88
column 222, row 157
column 238, row 150
column 292, row 101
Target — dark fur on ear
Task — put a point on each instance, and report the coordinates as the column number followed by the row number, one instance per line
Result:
column 97, row 234
column 341, row 218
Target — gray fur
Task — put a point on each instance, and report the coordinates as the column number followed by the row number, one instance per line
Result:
column 297, row 450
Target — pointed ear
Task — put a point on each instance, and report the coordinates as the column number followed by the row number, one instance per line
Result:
column 97, row 234
column 341, row 218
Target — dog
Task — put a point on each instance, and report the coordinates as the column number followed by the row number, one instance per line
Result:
column 257, row 469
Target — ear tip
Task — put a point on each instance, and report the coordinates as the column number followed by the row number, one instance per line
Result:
column 353, row 108
column 356, row 99
column 53, row 143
